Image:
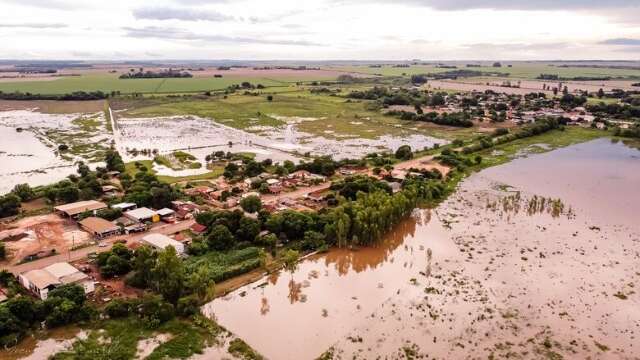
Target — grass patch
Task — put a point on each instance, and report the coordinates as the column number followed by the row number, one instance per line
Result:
column 132, row 170
column 118, row 339
column 225, row 265
column 240, row 349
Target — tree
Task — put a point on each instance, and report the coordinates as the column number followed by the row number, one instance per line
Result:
column 600, row 93
column 24, row 192
column 404, row 152
column 113, row 160
column 269, row 98
column 9, row 205
column 201, row 284
column 290, row 260
column 3, row 251
column 248, row 229
column 169, row 275
column 220, row 238
column 251, row 204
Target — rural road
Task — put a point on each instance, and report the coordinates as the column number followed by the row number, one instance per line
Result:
column 167, row 229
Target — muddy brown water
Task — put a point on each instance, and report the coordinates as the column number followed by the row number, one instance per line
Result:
column 547, row 267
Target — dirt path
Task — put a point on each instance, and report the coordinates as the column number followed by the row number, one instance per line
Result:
column 84, row 252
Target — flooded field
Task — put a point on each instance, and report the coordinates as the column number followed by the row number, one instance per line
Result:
column 537, row 258
column 29, row 143
column 200, row 137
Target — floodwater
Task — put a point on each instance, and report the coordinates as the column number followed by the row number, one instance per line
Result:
column 34, row 348
column 200, row 137
column 532, row 259
column 29, row 156
column 197, row 136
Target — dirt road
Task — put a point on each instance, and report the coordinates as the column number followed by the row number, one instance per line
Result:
column 84, row 252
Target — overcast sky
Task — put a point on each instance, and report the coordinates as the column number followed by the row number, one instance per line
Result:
column 320, row 29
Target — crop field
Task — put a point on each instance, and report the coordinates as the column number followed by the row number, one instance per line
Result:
column 111, row 82
column 518, row 70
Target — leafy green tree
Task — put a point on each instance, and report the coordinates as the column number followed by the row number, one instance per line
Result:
column 23, row 191
column 251, row 204
column 220, row 238
column 169, row 274
column 248, row 229
column 404, row 152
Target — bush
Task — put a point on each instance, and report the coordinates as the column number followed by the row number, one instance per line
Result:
column 118, row 308
column 404, row 152
column 188, row 306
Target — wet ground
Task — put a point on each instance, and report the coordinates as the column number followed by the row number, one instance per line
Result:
column 29, row 143
column 538, row 258
column 200, row 137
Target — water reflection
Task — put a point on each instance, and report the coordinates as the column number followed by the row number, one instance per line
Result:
column 344, row 284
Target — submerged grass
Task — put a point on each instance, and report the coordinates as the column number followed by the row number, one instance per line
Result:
column 118, row 339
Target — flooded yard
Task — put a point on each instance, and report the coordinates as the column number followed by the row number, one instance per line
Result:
column 537, row 258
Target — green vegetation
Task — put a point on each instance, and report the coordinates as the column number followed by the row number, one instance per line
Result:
column 108, row 83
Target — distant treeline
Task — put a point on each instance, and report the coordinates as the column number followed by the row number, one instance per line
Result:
column 575, row 78
column 541, row 126
column 156, row 74
column 636, row 84
column 457, row 119
column 462, row 73
column 29, row 71
column 632, row 132
column 76, row 95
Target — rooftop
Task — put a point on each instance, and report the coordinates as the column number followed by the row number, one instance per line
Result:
column 98, row 225
column 141, row 213
column 80, row 207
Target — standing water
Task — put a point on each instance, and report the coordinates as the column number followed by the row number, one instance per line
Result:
column 546, row 265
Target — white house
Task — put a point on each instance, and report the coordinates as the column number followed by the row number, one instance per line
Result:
column 41, row 281
column 160, row 241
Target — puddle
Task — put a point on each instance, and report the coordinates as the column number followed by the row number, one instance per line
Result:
column 472, row 279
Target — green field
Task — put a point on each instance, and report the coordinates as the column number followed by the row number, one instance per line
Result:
column 111, row 82
column 518, row 70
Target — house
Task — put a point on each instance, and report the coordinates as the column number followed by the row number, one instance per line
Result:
column 275, row 189
column 161, row 242
column 166, row 213
column 143, row 215
column 125, row 206
column 99, row 227
column 253, row 193
column 198, row 228
column 300, row 175
column 41, row 281
column 273, row 181
column 74, row 209
column 130, row 226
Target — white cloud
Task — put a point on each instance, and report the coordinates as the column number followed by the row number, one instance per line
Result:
column 322, row 29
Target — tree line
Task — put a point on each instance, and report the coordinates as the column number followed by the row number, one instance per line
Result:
column 74, row 96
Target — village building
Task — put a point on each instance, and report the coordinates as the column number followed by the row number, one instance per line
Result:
column 198, row 229
column 143, row 214
column 167, row 215
column 125, row 206
column 74, row 209
column 395, row 187
column 161, row 242
column 129, row 226
column 99, row 227
column 41, row 281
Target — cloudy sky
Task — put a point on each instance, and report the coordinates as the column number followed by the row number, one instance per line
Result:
column 320, row 29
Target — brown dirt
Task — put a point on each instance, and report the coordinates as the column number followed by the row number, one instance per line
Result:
column 54, row 107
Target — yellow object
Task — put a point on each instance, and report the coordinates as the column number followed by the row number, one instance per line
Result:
column 155, row 218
